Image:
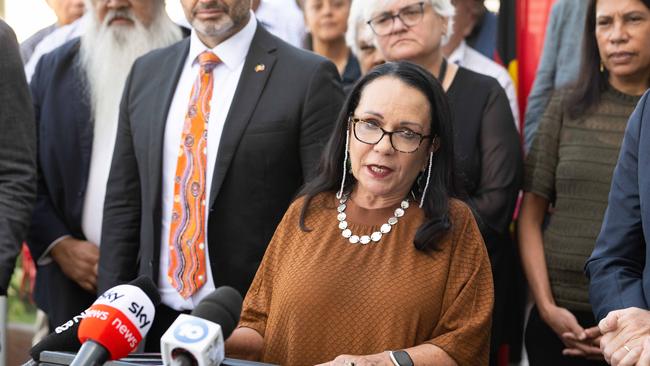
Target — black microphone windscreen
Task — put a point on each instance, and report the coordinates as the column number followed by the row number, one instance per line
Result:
column 222, row 306
column 66, row 341
column 146, row 284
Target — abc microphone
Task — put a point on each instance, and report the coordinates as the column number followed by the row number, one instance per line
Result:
column 198, row 339
column 116, row 322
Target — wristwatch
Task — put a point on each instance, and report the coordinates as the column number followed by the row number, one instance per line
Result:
column 401, row 358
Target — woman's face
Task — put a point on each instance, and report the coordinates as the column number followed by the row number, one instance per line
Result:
column 380, row 170
column 369, row 56
column 421, row 40
column 327, row 19
column 623, row 36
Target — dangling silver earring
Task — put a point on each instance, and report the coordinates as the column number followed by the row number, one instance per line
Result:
column 345, row 163
column 424, row 192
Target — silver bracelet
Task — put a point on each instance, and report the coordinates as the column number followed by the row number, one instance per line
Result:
column 392, row 358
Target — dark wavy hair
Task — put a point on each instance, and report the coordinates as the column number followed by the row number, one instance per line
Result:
column 443, row 184
column 591, row 83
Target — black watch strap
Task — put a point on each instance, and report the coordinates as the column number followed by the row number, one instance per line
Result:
column 402, row 358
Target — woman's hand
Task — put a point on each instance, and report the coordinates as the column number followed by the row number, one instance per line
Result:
column 562, row 321
column 588, row 348
column 378, row 359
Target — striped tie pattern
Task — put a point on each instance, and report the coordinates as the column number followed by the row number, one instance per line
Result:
column 187, row 267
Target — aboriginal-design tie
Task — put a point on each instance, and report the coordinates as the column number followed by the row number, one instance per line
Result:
column 187, row 268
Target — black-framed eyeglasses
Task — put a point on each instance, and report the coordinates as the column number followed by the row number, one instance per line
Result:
column 382, row 24
column 370, row 133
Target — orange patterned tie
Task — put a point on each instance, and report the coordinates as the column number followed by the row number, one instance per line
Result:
column 186, row 271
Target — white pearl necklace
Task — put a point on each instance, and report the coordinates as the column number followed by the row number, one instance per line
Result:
column 375, row 236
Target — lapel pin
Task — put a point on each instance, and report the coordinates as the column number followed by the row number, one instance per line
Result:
column 260, row 68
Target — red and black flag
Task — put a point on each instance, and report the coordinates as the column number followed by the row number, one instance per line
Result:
column 522, row 24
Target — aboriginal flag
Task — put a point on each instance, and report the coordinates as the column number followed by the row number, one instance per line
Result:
column 522, row 24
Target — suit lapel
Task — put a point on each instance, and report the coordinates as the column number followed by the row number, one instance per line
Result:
column 251, row 84
column 166, row 79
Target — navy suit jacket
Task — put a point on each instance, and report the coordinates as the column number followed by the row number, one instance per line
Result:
column 618, row 268
column 65, row 135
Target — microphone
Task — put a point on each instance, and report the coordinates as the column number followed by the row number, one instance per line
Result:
column 64, row 337
column 116, row 322
column 198, row 339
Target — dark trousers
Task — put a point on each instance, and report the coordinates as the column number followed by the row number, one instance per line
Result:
column 544, row 347
column 164, row 317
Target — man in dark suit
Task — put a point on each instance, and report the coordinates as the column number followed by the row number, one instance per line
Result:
column 619, row 267
column 270, row 113
column 76, row 91
column 17, row 155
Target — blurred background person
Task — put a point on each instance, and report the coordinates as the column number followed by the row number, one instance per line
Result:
column 17, row 155
column 77, row 91
column 66, row 11
column 570, row 166
column 394, row 261
column 486, row 142
column 327, row 22
column 360, row 39
column 483, row 35
column 58, row 37
column 458, row 52
column 559, row 65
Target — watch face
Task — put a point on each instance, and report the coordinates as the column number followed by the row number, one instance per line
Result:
column 403, row 358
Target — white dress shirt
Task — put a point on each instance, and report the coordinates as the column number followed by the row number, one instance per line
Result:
column 471, row 59
column 232, row 53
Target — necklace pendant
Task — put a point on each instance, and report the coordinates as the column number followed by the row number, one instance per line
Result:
column 392, row 221
column 343, row 225
column 354, row 239
column 346, row 233
column 341, row 216
column 365, row 239
column 385, row 228
column 376, row 236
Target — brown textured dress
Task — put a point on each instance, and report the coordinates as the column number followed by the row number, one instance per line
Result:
column 316, row 296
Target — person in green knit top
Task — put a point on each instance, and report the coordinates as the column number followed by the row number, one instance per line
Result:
column 570, row 167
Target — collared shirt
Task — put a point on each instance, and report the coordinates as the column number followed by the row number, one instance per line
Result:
column 471, row 59
column 226, row 74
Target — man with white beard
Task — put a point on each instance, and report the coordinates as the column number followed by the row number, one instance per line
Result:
column 76, row 91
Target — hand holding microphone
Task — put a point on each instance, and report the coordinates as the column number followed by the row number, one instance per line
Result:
column 198, row 339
